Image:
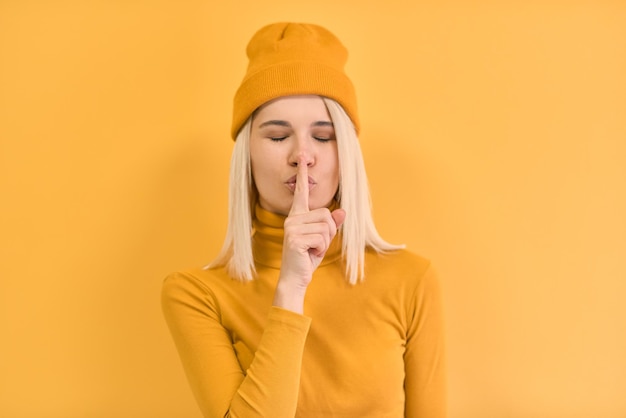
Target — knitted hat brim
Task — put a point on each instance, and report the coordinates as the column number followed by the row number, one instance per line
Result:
column 290, row 79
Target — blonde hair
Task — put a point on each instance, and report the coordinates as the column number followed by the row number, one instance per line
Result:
column 358, row 230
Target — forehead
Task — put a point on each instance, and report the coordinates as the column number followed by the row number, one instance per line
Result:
column 304, row 109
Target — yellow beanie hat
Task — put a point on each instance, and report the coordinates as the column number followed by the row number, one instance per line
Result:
column 289, row 59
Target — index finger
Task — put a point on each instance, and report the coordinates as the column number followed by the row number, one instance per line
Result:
column 301, row 193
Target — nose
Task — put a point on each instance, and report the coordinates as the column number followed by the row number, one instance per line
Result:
column 301, row 152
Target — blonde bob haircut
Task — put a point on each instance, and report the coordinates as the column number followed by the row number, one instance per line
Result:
column 358, row 230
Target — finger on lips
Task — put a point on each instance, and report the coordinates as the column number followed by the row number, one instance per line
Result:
column 301, row 193
column 311, row 230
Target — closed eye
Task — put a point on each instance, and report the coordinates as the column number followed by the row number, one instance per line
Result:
column 277, row 139
column 321, row 139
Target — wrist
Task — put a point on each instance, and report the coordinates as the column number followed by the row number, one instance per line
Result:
column 289, row 296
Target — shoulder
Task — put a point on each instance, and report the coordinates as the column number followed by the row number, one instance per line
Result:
column 400, row 262
column 209, row 285
column 193, row 283
column 404, row 270
column 193, row 293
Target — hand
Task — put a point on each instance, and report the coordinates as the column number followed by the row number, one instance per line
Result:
column 308, row 234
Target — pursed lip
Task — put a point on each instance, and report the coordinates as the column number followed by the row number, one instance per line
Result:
column 291, row 183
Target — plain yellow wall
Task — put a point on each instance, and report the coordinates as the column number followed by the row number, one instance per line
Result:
column 495, row 139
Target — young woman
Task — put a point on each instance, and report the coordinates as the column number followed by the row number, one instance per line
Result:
column 307, row 311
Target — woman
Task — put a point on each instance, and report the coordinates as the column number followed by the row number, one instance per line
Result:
column 306, row 311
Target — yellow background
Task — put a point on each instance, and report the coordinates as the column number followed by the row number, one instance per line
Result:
column 494, row 135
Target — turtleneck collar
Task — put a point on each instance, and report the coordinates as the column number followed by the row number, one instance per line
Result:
column 267, row 239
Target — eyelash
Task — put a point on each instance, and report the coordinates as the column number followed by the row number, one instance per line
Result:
column 278, row 139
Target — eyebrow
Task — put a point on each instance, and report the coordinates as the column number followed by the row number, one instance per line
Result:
column 286, row 124
column 322, row 123
column 275, row 122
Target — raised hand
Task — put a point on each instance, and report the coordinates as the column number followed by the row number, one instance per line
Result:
column 308, row 234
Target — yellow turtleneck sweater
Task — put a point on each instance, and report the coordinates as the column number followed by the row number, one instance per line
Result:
column 374, row 349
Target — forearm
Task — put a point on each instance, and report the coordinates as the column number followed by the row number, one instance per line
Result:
column 272, row 382
column 269, row 387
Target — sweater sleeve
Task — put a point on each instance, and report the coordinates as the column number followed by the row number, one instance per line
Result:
column 222, row 389
column 424, row 359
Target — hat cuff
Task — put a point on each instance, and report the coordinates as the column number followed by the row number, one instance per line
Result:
column 289, row 79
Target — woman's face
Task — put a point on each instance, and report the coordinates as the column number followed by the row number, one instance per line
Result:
column 287, row 131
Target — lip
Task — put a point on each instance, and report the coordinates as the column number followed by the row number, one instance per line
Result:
column 291, row 183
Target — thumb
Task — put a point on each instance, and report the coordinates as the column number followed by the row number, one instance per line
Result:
column 339, row 215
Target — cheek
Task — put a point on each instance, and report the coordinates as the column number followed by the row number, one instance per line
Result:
column 263, row 173
column 257, row 173
column 332, row 171
column 335, row 166
column 256, row 161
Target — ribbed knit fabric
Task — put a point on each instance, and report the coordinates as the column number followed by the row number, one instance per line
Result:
column 374, row 349
column 288, row 59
